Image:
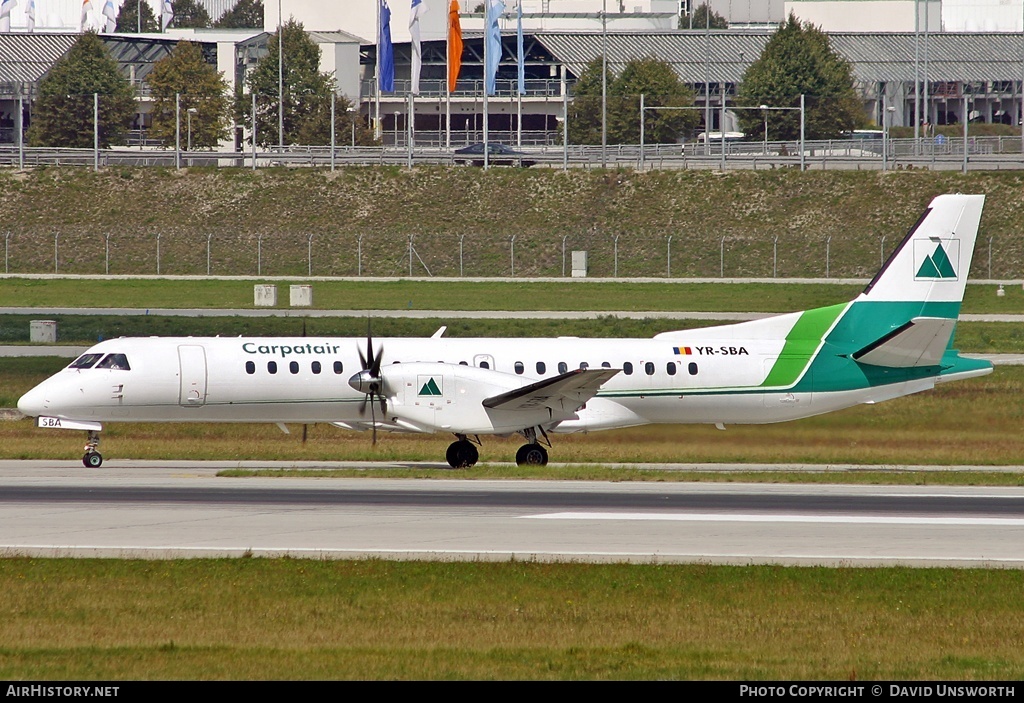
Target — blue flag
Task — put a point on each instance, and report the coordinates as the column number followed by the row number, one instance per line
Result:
column 385, row 52
column 492, row 37
column 520, row 59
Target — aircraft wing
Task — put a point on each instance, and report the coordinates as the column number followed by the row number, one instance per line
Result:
column 576, row 387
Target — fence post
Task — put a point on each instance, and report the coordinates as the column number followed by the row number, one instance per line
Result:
column 615, row 270
column 106, row 254
column 881, row 254
column 359, row 255
column 7, row 244
column 157, row 253
column 990, row 258
column 668, row 258
column 721, row 259
column 828, row 246
column 56, row 236
column 775, row 257
column 309, row 251
column 512, row 251
column 461, row 238
column 208, row 238
column 259, row 254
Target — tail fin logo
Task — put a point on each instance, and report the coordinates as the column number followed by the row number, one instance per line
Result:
column 936, row 259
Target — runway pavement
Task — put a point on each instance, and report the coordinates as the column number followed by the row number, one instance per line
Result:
column 182, row 509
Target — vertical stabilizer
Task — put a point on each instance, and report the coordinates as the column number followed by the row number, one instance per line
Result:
column 932, row 262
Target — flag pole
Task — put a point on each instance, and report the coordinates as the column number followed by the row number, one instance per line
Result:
column 447, row 86
column 487, row 40
column 376, row 81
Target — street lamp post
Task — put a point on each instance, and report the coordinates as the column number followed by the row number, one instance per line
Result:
column 352, row 121
column 191, row 111
column 803, row 123
column 886, row 126
column 764, row 112
column 397, row 113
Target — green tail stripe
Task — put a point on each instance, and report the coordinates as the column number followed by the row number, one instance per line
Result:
column 801, row 343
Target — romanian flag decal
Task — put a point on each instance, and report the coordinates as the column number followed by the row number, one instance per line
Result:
column 682, row 350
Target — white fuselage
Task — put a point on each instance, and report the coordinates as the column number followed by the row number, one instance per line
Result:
column 307, row 380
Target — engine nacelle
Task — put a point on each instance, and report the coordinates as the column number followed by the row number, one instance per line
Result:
column 432, row 397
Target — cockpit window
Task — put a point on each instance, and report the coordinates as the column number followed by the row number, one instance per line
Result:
column 114, row 361
column 85, row 361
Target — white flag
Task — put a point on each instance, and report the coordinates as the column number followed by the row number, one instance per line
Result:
column 111, row 14
column 418, row 7
column 86, row 15
column 5, row 14
column 30, row 15
column 166, row 14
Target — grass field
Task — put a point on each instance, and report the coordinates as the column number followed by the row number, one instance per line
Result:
column 260, row 223
column 453, row 294
column 298, row 619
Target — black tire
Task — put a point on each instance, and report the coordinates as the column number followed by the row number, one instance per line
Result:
column 461, row 454
column 92, row 460
column 532, row 455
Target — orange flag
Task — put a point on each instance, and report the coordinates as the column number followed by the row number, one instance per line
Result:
column 454, row 45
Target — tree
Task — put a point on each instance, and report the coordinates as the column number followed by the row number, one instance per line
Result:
column 189, row 13
column 348, row 124
column 798, row 60
column 585, row 110
column 650, row 77
column 202, row 101
column 306, row 90
column 661, row 87
column 63, row 112
column 128, row 18
column 701, row 17
column 245, row 14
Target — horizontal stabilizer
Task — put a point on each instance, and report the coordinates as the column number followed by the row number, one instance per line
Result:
column 576, row 387
column 920, row 342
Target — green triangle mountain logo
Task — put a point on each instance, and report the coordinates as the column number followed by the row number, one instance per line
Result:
column 430, row 388
column 937, row 265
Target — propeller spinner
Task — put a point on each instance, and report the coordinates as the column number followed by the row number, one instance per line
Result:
column 369, row 381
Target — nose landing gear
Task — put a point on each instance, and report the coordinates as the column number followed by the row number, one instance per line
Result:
column 462, row 454
column 92, row 459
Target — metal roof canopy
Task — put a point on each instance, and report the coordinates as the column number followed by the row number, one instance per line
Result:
column 726, row 54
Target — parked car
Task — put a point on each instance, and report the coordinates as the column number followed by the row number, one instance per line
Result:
column 497, row 155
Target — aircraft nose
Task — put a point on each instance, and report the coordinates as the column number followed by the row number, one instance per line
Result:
column 33, row 403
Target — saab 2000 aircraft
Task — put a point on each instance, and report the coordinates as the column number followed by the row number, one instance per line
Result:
column 894, row 339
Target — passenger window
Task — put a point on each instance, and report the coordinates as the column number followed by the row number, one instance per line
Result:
column 584, row 365
column 542, row 368
column 315, row 366
column 338, row 367
column 484, row 365
column 649, row 368
column 250, row 367
column 692, row 368
column 463, row 363
column 519, row 367
column 606, row 364
column 85, row 361
column 627, row 368
column 272, row 366
column 293, row 367
column 563, row 367
column 114, row 361
column 671, row 368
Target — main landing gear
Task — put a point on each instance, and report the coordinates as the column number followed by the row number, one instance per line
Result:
column 533, row 454
column 92, row 459
column 462, row 454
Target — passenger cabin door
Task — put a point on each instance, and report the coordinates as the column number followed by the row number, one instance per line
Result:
column 192, row 360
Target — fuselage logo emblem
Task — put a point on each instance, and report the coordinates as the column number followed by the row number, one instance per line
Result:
column 429, row 386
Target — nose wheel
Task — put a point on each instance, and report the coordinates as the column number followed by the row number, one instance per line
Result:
column 92, row 459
